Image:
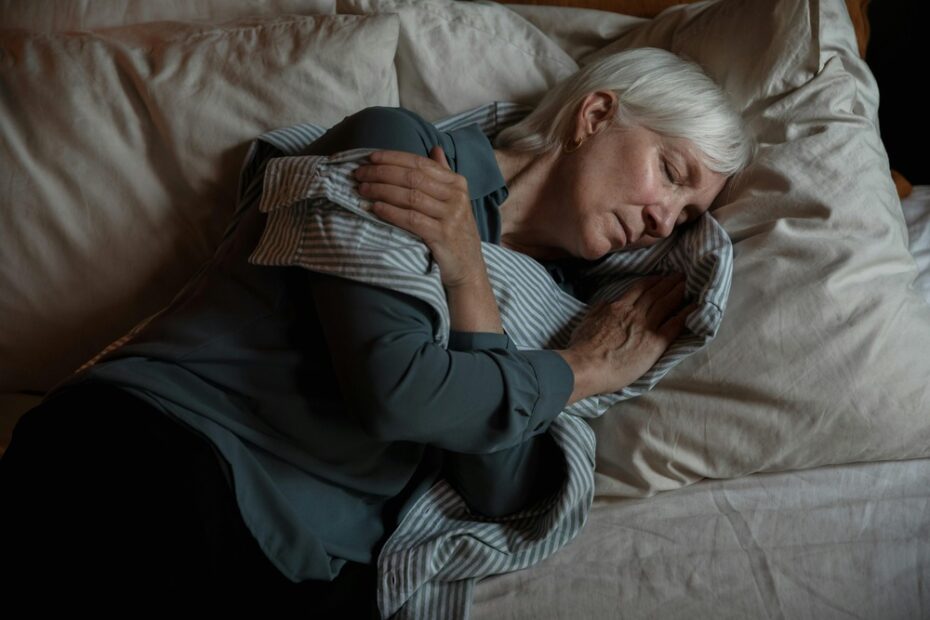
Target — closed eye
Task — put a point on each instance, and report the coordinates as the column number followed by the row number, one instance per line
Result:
column 668, row 173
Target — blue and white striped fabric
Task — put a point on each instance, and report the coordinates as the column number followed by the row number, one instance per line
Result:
column 431, row 563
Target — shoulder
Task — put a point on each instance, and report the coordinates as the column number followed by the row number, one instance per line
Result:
column 378, row 127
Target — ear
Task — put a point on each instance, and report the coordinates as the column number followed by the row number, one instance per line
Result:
column 595, row 113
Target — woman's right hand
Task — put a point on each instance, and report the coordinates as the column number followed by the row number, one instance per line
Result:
column 617, row 342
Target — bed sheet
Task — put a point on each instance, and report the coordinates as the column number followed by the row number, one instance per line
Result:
column 848, row 541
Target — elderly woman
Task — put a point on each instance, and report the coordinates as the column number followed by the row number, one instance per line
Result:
column 286, row 460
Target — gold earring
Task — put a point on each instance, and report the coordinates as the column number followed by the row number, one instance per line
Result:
column 577, row 144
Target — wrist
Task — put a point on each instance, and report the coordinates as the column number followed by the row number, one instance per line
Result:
column 582, row 385
column 473, row 307
column 473, row 281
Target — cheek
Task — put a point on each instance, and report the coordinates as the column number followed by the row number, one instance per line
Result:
column 595, row 237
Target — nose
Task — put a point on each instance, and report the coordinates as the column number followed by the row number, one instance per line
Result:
column 660, row 220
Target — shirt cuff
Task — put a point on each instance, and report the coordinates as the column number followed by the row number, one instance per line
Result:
column 556, row 382
column 288, row 180
column 473, row 341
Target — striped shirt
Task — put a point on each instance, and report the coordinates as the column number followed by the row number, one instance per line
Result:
column 316, row 220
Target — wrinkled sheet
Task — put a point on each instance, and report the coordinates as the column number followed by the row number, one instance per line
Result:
column 848, row 541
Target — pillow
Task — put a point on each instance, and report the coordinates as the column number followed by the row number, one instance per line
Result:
column 560, row 21
column 93, row 14
column 443, row 55
column 822, row 355
column 121, row 155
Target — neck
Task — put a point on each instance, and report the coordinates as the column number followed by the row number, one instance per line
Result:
column 524, row 214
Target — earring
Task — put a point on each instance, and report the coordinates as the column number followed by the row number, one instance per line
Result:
column 577, row 144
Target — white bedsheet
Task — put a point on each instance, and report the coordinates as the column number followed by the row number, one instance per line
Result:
column 849, row 541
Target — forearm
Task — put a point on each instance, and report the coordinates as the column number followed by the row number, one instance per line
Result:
column 505, row 482
column 473, row 308
column 403, row 386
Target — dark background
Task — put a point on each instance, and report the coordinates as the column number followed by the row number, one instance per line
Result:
column 898, row 54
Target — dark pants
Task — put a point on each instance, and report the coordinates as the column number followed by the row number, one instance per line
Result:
column 101, row 494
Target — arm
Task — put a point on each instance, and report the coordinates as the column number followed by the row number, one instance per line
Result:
column 473, row 308
column 402, row 386
column 507, row 481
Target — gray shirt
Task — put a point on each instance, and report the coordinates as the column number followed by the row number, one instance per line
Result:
column 236, row 360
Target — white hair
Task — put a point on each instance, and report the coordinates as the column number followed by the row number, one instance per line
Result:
column 661, row 91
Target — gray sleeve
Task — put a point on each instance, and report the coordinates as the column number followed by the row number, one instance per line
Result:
column 507, row 481
column 403, row 386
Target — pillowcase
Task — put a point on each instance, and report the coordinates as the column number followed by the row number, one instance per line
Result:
column 444, row 55
column 822, row 355
column 121, row 156
column 93, row 14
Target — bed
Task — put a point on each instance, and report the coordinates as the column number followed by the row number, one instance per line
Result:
column 782, row 471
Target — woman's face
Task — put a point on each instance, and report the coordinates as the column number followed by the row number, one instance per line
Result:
column 625, row 189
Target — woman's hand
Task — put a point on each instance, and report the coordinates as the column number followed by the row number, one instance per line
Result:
column 617, row 342
column 425, row 197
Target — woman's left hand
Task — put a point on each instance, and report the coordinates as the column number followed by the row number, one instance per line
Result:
column 425, row 197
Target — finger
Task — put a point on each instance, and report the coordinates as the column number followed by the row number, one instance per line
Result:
column 664, row 285
column 638, row 288
column 411, row 199
column 410, row 220
column 665, row 304
column 407, row 160
column 439, row 155
column 441, row 187
column 407, row 187
column 673, row 327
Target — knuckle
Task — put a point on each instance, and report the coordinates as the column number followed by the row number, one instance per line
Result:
column 414, row 197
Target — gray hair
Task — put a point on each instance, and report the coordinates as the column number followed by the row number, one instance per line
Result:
column 661, row 91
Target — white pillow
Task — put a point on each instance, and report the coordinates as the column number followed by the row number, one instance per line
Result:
column 94, row 14
column 121, row 155
column 454, row 56
column 822, row 354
